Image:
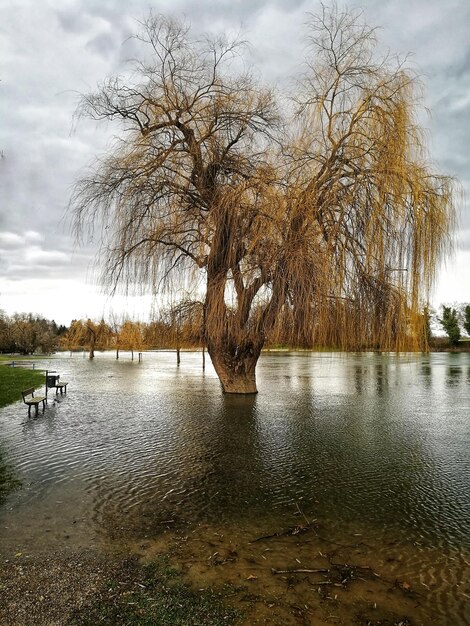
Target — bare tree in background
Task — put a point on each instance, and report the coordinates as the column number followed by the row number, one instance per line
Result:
column 186, row 320
column 326, row 216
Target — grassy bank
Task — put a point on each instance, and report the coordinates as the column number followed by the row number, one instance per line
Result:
column 14, row 379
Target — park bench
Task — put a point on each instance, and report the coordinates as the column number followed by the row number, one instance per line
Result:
column 62, row 387
column 31, row 400
column 53, row 380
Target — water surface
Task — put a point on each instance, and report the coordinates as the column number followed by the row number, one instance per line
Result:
column 377, row 444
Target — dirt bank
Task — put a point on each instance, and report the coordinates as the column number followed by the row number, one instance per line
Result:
column 217, row 575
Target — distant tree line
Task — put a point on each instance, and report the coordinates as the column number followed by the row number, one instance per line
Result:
column 182, row 326
column 25, row 333
column 176, row 327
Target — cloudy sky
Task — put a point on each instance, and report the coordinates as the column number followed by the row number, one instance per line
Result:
column 52, row 50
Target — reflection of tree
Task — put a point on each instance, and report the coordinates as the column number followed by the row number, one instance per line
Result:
column 381, row 376
column 205, row 455
column 426, row 371
column 359, row 378
column 454, row 375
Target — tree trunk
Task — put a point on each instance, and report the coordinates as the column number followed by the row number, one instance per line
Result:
column 91, row 354
column 117, row 353
column 234, row 353
column 236, row 368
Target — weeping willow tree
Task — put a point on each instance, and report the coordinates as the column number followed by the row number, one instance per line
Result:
column 326, row 218
column 368, row 219
column 87, row 334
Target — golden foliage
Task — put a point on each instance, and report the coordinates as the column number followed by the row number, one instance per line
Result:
column 321, row 224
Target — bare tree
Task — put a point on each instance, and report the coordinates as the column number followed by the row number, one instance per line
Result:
column 327, row 216
column 186, row 323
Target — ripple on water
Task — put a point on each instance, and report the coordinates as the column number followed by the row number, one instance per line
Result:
column 349, row 437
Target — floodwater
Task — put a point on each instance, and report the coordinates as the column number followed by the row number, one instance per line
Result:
column 375, row 446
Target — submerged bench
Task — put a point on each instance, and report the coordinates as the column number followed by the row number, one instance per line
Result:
column 31, row 400
column 60, row 386
column 53, row 380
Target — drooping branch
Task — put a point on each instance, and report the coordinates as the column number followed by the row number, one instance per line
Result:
column 323, row 224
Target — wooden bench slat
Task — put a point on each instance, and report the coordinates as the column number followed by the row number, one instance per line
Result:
column 61, row 386
column 32, row 400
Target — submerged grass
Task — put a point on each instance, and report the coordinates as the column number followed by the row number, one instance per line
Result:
column 8, row 480
column 153, row 595
column 12, row 383
column 13, row 380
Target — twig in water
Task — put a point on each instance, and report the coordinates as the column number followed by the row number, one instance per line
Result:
column 295, row 530
column 300, row 571
column 302, row 514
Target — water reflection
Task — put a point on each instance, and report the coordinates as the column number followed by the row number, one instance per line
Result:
column 335, row 428
column 454, row 374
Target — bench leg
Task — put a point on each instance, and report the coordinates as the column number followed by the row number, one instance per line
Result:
column 37, row 408
column 29, row 410
column 43, row 406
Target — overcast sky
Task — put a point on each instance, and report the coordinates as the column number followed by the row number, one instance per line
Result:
column 52, row 50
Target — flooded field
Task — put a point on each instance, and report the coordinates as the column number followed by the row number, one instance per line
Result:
column 340, row 459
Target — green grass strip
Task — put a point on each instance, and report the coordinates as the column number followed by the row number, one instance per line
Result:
column 13, row 380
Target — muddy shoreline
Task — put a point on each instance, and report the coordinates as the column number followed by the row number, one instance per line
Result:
column 294, row 575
